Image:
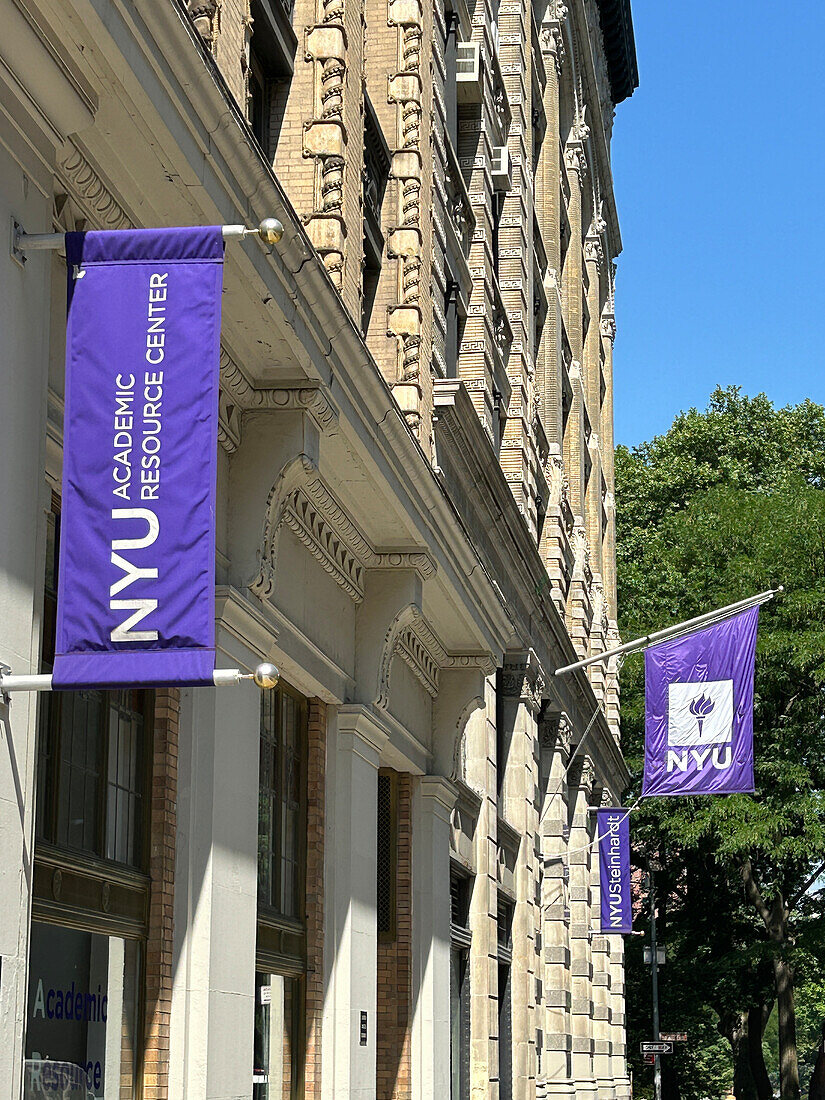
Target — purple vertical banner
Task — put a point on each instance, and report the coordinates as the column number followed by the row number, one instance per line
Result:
column 136, row 584
column 699, row 710
column 613, row 830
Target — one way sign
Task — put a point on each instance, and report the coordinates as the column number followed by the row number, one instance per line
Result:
column 656, row 1048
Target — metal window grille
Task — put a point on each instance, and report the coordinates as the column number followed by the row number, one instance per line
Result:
column 387, row 842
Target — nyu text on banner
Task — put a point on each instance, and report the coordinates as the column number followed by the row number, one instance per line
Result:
column 613, row 827
column 699, row 710
column 137, row 542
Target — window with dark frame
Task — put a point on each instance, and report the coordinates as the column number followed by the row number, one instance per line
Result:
column 282, row 802
column 280, row 979
column 376, row 175
column 93, row 759
column 505, row 1000
column 460, row 940
column 271, row 62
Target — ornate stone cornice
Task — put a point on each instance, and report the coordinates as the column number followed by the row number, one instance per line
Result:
column 301, row 500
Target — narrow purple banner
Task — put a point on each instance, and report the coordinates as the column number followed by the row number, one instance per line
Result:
column 613, row 830
column 699, row 710
column 136, row 585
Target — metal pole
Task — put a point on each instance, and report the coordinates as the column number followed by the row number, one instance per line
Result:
column 265, row 676
column 654, row 986
column 670, row 631
column 270, row 231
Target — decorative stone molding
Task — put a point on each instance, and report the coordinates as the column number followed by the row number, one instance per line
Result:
column 89, row 191
column 608, row 326
column 523, row 679
column 575, row 158
column 404, row 241
column 411, row 638
column 593, row 250
column 325, row 136
column 587, row 774
column 302, row 501
column 202, row 14
column 243, row 395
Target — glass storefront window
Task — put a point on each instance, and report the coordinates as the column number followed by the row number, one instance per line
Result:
column 277, row 1037
column 82, row 1018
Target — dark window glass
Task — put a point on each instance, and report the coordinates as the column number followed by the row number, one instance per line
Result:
column 281, row 803
column 460, row 892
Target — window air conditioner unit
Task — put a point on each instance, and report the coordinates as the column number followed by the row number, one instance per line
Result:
column 469, row 72
column 501, row 168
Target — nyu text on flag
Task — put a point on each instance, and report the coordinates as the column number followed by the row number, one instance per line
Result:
column 699, row 710
column 136, row 584
column 613, row 827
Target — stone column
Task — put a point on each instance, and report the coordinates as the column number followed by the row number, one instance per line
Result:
column 618, row 1020
column 555, row 1014
column 480, row 774
column 433, row 800
column 523, row 686
column 216, row 888
column 601, row 948
column 351, row 925
column 26, row 181
column 581, row 835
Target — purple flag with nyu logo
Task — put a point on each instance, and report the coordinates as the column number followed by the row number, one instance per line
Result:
column 613, row 827
column 136, row 583
column 699, row 710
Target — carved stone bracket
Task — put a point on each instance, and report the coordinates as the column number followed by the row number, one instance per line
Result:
column 301, row 500
column 411, row 638
column 523, row 679
column 608, row 326
column 593, row 250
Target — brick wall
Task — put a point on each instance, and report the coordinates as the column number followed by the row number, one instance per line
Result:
column 316, row 768
column 162, row 809
column 394, row 969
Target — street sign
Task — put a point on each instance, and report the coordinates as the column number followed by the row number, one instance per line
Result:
column 649, row 1059
column 673, row 1036
column 660, row 956
column 656, row 1048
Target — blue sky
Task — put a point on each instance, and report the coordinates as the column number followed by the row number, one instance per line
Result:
column 718, row 164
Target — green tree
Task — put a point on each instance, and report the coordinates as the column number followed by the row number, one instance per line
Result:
column 730, row 502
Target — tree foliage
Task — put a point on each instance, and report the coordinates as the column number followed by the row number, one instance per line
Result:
column 731, row 501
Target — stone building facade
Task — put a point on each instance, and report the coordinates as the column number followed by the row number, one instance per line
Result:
column 378, row 880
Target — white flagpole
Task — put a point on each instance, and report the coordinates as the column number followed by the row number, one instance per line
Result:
column 270, row 231
column 673, row 631
column 265, row 676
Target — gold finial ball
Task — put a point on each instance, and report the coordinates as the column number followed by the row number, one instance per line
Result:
column 271, row 230
column 266, row 676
